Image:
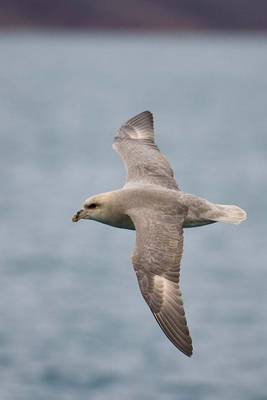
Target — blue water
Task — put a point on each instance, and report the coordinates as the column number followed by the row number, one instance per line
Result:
column 73, row 324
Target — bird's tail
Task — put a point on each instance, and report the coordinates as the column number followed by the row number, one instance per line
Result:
column 228, row 214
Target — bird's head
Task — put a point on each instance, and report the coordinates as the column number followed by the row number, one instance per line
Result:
column 95, row 207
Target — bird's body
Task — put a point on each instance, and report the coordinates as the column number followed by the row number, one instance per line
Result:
column 152, row 204
column 121, row 202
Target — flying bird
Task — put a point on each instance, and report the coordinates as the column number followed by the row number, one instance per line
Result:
column 152, row 204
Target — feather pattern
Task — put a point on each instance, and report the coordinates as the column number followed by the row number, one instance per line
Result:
column 156, row 260
column 144, row 163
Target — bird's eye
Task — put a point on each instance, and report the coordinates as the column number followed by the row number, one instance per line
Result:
column 92, row 205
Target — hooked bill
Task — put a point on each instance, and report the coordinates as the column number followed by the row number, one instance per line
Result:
column 75, row 217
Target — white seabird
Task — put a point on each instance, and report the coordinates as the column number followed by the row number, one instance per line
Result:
column 151, row 203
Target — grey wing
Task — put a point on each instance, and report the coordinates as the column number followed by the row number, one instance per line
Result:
column 156, row 260
column 144, row 163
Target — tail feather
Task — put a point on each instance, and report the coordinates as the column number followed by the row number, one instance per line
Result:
column 228, row 214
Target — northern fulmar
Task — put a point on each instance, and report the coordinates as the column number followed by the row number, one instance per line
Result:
column 152, row 203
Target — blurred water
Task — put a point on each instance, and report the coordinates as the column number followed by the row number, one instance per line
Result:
column 73, row 324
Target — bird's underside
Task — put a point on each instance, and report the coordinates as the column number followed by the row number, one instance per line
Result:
column 151, row 203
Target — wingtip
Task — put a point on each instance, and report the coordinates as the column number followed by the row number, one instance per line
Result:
column 189, row 353
column 147, row 112
column 182, row 344
column 186, row 351
column 143, row 123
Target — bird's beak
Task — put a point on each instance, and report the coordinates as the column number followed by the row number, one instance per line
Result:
column 79, row 215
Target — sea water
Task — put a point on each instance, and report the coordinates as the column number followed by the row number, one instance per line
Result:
column 73, row 324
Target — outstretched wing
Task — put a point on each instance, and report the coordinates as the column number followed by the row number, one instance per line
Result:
column 156, row 260
column 143, row 161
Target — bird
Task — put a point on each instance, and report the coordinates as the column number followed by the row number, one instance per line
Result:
column 152, row 204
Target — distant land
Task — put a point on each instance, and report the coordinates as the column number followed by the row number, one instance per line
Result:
column 135, row 14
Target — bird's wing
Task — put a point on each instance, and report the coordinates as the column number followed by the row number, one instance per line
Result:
column 143, row 161
column 156, row 260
